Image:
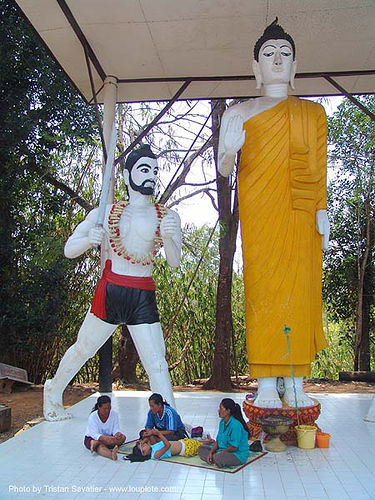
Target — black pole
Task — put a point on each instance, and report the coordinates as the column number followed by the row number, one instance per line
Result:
column 105, row 367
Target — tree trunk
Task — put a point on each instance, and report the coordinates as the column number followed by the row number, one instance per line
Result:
column 362, row 343
column 228, row 222
column 127, row 359
column 363, row 355
column 8, row 268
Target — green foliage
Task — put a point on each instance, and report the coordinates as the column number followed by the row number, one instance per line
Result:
column 194, row 322
column 46, row 127
column 338, row 355
column 238, row 316
column 351, row 200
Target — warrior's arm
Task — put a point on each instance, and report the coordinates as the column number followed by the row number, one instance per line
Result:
column 85, row 236
column 170, row 231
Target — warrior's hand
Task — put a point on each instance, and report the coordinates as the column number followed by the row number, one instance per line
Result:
column 95, row 236
column 322, row 226
column 168, row 227
column 234, row 136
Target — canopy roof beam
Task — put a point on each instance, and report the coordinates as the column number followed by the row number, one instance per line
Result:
column 81, row 37
column 229, row 78
column 350, row 97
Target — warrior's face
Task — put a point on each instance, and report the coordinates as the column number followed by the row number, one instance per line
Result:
column 276, row 61
column 142, row 177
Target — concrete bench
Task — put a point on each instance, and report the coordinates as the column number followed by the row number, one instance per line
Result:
column 10, row 375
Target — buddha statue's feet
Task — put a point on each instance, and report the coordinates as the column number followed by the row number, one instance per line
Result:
column 53, row 408
column 302, row 399
column 268, row 397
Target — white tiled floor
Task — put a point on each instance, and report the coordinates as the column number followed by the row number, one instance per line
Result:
column 50, row 462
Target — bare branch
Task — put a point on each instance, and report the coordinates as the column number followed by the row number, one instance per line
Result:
column 182, row 357
column 187, row 196
column 74, row 196
column 67, row 190
column 213, row 201
column 180, row 180
column 200, row 184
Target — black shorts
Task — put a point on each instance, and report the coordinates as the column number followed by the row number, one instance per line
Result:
column 130, row 306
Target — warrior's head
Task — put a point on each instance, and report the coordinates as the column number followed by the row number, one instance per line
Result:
column 141, row 170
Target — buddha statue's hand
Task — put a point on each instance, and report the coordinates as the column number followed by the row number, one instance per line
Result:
column 322, row 226
column 234, row 136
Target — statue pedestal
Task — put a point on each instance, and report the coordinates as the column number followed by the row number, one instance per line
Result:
column 306, row 416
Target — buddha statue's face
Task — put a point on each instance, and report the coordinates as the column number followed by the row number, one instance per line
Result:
column 275, row 64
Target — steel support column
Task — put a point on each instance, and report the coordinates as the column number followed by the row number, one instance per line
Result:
column 109, row 110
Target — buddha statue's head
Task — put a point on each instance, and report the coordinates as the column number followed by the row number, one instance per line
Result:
column 274, row 57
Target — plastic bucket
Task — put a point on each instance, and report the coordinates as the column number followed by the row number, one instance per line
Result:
column 322, row 439
column 306, row 436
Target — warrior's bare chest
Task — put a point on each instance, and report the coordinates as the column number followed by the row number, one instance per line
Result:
column 133, row 224
column 138, row 223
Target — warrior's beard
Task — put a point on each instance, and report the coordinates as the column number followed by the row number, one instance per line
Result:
column 143, row 189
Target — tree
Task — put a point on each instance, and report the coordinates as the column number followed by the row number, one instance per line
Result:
column 227, row 202
column 349, row 278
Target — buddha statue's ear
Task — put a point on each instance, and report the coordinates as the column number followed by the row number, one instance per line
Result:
column 257, row 74
column 293, row 74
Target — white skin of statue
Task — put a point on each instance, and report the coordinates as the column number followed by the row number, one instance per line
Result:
column 137, row 226
column 275, row 70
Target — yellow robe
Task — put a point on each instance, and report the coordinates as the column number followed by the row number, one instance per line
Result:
column 282, row 183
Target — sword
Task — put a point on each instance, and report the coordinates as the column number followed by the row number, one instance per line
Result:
column 107, row 178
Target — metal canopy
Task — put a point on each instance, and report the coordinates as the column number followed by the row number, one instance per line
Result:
column 153, row 46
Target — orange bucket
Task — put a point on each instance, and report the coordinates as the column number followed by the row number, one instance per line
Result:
column 322, row 439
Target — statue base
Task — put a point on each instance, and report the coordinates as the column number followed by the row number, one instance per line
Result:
column 306, row 416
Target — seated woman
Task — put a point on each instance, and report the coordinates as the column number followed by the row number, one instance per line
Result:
column 231, row 446
column 155, row 445
column 103, row 433
column 163, row 417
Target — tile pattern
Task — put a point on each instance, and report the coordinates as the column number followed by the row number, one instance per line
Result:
column 50, row 462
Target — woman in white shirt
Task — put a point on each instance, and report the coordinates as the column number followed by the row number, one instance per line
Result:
column 103, row 433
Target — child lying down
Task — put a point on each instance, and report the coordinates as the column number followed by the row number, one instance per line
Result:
column 155, row 445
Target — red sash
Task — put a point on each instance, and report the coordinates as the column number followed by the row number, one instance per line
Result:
column 98, row 302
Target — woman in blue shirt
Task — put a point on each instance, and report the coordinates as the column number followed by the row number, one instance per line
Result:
column 163, row 417
column 231, row 446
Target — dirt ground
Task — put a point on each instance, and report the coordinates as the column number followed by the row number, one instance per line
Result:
column 26, row 406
